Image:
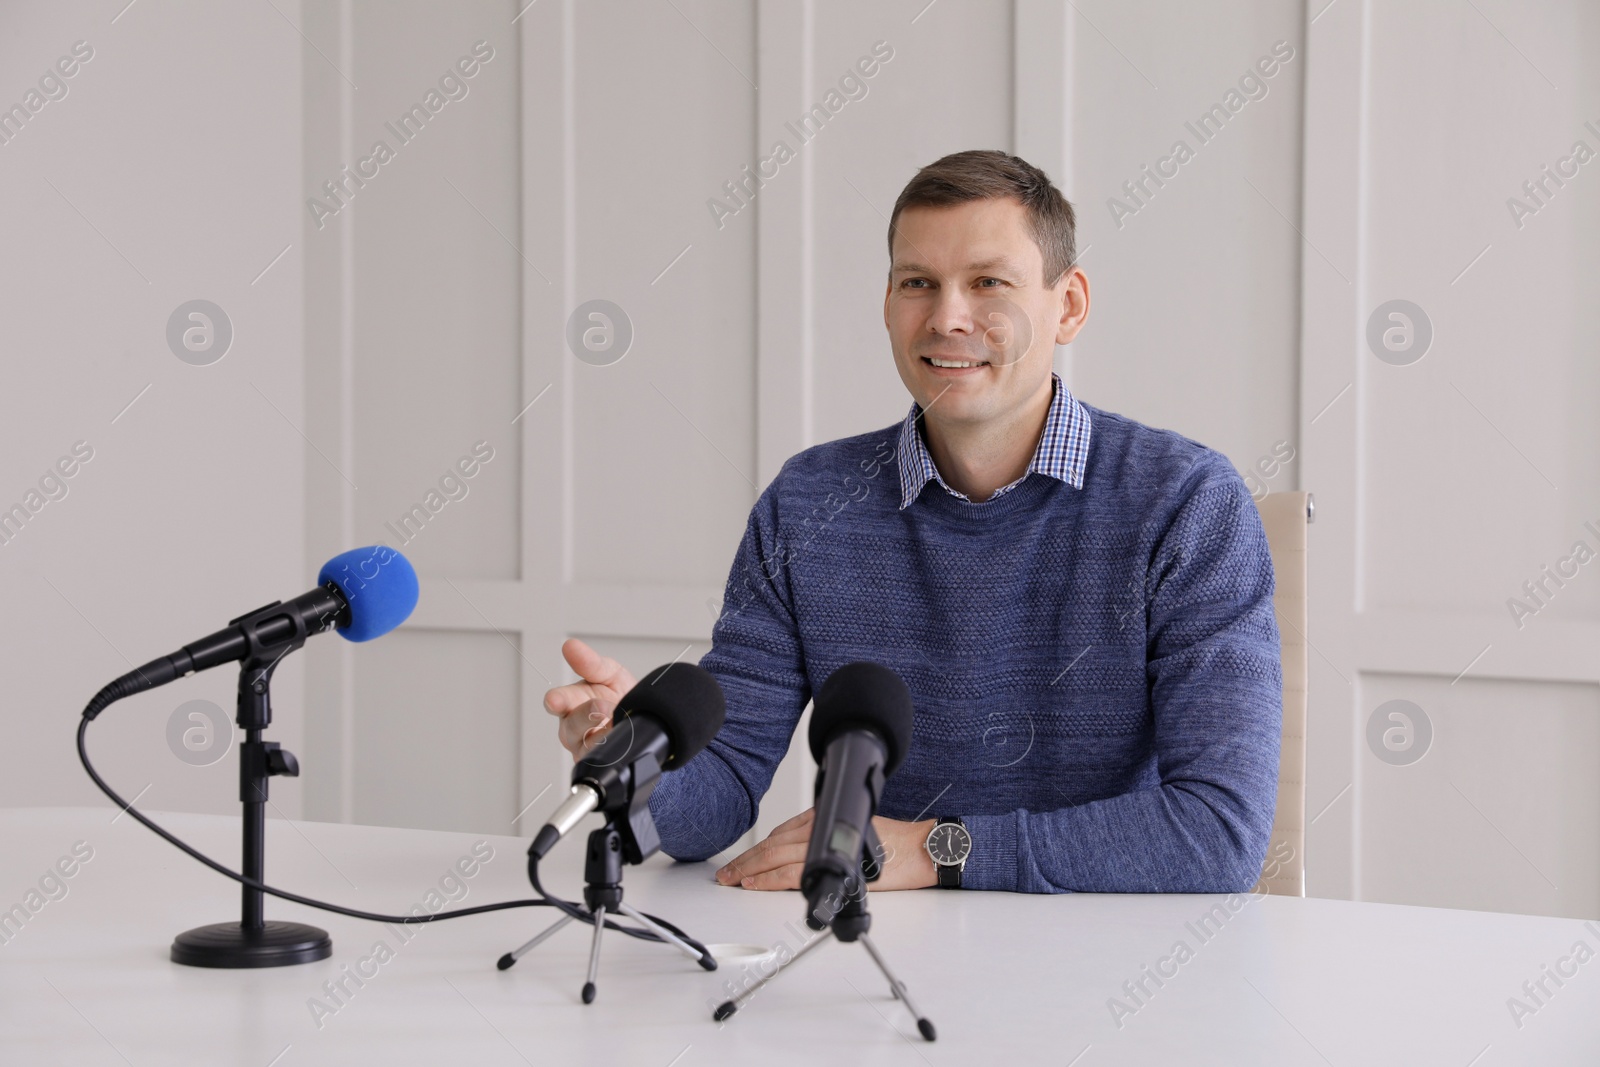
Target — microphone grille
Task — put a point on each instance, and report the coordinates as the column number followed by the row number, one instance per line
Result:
column 863, row 695
column 687, row 700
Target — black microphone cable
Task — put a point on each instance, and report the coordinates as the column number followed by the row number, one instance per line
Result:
column 544, row 900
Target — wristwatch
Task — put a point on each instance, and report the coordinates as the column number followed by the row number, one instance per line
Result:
column 949, row 844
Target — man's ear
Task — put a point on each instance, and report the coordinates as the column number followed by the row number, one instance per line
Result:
column 1074, row 305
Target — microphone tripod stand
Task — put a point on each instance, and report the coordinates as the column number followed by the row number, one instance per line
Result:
column 851, row 923
column 607, row 850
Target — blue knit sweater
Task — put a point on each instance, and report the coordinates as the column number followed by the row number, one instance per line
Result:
column 1095, row 671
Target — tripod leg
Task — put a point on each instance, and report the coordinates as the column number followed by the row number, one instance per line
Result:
column 512, row 957
column 728, row 1007
column 668, row 936
column 898, row 988
column 594, row 954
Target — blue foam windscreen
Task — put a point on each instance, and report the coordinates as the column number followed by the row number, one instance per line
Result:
column 378, row 583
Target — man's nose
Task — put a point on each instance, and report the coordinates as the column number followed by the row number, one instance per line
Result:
column 951, row 314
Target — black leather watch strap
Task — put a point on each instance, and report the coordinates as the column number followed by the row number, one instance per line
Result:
column 949, row 876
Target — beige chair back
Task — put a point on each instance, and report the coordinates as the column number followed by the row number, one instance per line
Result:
column 1284, row 516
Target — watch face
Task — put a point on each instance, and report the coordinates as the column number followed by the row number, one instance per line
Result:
column 949, row 843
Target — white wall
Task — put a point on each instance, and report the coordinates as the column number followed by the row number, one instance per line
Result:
column 625, row 488
column 169, row 172
column 1449, row 482
column 1194, row 318
column 430, row 311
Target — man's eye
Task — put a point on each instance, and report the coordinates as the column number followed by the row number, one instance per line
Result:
column 996, row 281
column 914, row 282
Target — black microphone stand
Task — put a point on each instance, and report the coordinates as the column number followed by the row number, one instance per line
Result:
column 627, row 837
column 850, row 923
column 253, row 941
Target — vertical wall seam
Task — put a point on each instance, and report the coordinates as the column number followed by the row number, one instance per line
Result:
column 347, row 389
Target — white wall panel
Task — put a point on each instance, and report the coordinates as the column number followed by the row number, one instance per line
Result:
column 436, row 297
column 1447, row 479
column 1501, row 813
column 417, row 324
column 1499, row 405
column 436, row 732
column 1193, row 296
column 914, row 112
column 662, row 442
column 167, row 172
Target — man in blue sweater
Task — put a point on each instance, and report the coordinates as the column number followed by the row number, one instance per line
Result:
column 1080, row 604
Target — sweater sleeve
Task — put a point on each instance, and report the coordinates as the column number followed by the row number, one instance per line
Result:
column 705, row 806
column 1215, row 679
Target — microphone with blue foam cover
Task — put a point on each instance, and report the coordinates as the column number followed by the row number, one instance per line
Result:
column 379, row 586
column 363, row 593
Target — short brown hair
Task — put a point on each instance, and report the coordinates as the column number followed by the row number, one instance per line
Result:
column 985, row 174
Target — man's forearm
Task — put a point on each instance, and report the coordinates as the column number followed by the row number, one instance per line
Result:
column 701, row 808
column 1182, row 837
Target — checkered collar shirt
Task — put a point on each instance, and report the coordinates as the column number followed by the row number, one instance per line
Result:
column 1062, row 452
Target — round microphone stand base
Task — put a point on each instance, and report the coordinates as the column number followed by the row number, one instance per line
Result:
column 275, row 944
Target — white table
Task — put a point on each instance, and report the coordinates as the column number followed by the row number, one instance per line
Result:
column 1008, row 977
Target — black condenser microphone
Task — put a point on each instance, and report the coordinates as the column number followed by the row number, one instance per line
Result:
column 860, row 731
column 661, row 724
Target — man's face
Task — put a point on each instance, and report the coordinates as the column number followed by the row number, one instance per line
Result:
column 966, row 286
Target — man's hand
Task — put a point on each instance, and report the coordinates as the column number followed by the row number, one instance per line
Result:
column 776, row 862
column 585, row 707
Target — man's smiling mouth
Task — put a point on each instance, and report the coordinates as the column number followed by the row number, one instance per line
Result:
column 954, row 363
